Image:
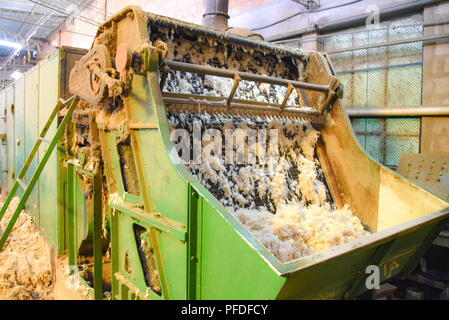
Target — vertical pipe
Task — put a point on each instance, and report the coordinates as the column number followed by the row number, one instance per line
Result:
column 97, row 242
column 105, row 10
column 216, row 14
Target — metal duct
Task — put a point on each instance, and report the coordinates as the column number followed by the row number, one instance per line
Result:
column 216, row 14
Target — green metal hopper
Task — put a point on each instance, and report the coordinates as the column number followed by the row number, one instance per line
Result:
column 170, row 237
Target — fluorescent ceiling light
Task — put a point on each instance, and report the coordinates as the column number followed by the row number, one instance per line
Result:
column 11, row 44
column 16, row 75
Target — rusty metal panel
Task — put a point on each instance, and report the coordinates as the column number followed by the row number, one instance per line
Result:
column 430, row 171
column 68, row 57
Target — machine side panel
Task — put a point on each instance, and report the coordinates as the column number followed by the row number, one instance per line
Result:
column 10, row 136
column 230, row 268
column 395, row 206
column 31, row 134
column 356, row 173
column 48, row 98
column 3, row 152
column 19, row 127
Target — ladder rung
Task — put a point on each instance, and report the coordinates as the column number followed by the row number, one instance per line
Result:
column 34, row 178
column 44, row 140
column 22, row 184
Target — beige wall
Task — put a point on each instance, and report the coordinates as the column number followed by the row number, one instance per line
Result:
column 435, row 130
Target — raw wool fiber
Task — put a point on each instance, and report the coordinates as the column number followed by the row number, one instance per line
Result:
column 192, row 83
column 269, row 181
column 296, row 231
column 25, row 262
column 292, row 215
column 73, row 281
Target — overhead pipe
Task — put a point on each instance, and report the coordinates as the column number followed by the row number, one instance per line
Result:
column 405, row 111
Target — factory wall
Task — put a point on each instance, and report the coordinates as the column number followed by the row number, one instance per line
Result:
column 80, row 34
column 386, row 76
column 25, row 108
column 415, row 73
column 435, row 130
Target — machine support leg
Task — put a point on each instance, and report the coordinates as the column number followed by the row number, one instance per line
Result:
column 71, row 243
column 98, row 248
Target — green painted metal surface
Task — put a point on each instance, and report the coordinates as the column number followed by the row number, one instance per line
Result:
column 3, row 144
column 220, row 259
column 31, row 134
column 198, row 250
column 19, row 126
column 48, row 96
column 29, row 187
column 30, row 100
column 10, row 138
column 84, row 220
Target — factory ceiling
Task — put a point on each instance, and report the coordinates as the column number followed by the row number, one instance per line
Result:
column 25, row 26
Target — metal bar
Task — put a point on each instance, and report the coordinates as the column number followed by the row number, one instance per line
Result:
column 188, row 67
column 38, row 171
column 71, row 215
column 165, row 71
column 156, row 221
column 221, row 103
column 194, row 245
column 9, row 198
column 289, row 91
column 329, row 174
column 115, row 266
column 326, row 35
column 382, row 68
column 304, row 98
column 22, row 184
column 97, row 243
column 60, row 10
column 234, row 89
column 37, row 144
column 30, row 157
column 44, row 140
column 406, row 111
column 120, row 278
column 392, row 43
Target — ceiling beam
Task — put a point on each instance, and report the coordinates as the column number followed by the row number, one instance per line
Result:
column 21, row 12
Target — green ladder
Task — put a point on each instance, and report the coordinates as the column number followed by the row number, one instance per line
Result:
column 19, row 182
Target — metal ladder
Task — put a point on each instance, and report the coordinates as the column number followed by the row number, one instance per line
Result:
column 29, row 187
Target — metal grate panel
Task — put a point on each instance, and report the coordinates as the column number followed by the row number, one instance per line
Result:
column 385, row 139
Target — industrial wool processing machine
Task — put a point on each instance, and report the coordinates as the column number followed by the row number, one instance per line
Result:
column 121, row 185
